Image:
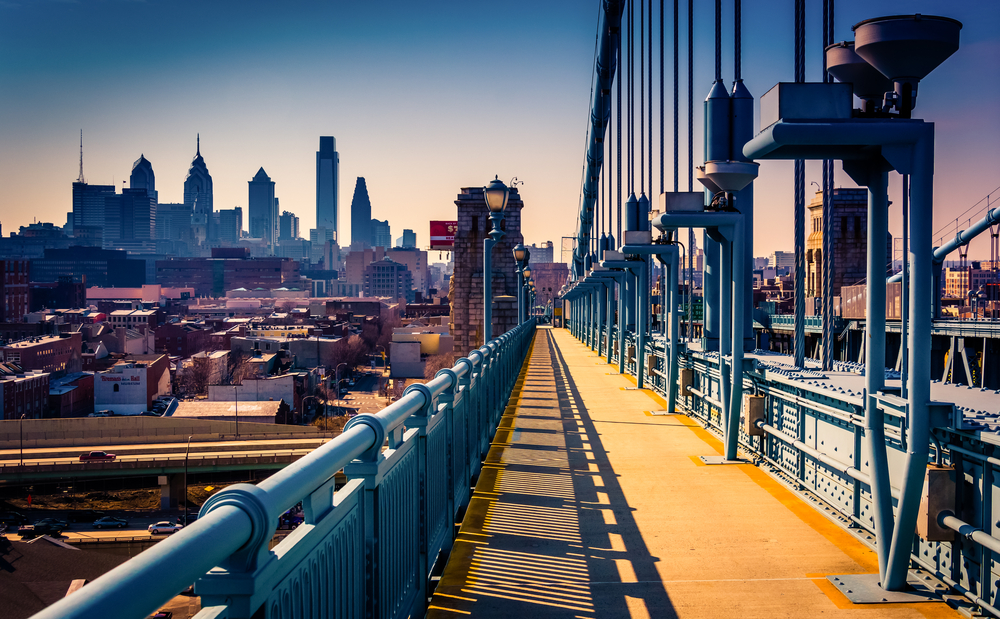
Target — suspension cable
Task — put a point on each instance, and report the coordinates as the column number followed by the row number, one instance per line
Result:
column 690, row 160
column 649, row 79
column 676, row 97
column 642, row 98
column 618, row 146
column 718, row 40
column 738, row 40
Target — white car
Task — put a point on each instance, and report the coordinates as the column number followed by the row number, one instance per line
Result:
column 164, row 528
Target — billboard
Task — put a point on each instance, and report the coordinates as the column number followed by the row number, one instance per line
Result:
column 443, row 235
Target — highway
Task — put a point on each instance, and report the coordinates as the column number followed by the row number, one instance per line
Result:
column 153, row 459
column 129, row 450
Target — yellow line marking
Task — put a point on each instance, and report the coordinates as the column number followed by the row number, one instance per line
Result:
column 450, row 610
column 456, row 597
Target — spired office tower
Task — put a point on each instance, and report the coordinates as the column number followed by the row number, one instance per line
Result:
column 198, row 196
column 327, row 183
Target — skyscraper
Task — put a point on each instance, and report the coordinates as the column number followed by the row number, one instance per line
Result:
column 143, row 178
column 129, row 220
column 88, row 204
column 230, row 225
column 288, row 226
column 361, row 215
column 263, row 208
column 327, row 183
column 198, row 184
column 381, row 234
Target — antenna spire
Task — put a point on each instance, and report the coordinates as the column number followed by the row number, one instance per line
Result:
column 81, row 179
column 198, row 149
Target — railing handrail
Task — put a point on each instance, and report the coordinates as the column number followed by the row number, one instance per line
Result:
column 248, row 514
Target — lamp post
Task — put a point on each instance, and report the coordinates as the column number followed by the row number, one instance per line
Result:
column 523, row 292
column 496, row 194
column 21, row 428
column 337, row 371
column 236, row 399
column 520, row 258
column 186, row 452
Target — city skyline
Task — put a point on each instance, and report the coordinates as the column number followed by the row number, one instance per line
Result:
column 445, row 135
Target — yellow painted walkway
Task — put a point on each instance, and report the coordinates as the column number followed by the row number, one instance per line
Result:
column 589, row 507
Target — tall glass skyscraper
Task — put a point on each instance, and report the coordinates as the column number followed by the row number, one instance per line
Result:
column 327, row 183
column 263, row 208
column 361, row 215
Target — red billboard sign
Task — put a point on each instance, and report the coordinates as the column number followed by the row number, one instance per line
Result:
column 443, row 235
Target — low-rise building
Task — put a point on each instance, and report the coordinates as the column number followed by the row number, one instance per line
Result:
column 267, row 411
column 72, row 395
column 55, row 354
column 23, row 392
column 138, row 319
column 388, row 278
column 183, row 339
column 131, row 385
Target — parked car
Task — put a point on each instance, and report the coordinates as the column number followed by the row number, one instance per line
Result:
column 85, row 515
column 164, row 527
column 109, row 522
column 41, row 528
column 53, row 522
column 97, row 456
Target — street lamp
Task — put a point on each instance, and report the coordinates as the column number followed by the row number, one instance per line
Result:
column 186, row 452
column 521, row 254
column 523, row 291
column 337, row 371
column 21, row 427
column 496, row 194
column 236, row 396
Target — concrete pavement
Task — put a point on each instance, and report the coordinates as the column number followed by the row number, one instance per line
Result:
column 588, row 506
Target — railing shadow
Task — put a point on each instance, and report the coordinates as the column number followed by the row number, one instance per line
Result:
column 622, row 569
column 549, row 532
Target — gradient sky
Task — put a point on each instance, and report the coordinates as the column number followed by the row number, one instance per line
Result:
column 423, row 98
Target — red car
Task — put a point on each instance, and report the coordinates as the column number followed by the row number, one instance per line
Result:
column 98, row 456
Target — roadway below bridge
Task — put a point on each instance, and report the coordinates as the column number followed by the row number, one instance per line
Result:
column 48, row 463
column 591, row 504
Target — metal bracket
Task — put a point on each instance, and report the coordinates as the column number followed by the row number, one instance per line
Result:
column 721, row 460
column 865, row 589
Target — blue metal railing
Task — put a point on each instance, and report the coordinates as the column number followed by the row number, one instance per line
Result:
column 811, row 438
column 363, row 551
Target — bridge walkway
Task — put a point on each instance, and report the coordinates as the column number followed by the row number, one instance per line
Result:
column 589, row 505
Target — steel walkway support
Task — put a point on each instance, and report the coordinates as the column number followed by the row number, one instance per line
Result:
column 906, row 145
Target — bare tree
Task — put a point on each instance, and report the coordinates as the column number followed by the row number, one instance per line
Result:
column 435, row 363
column 398, row 387
column 195, row 376
column 240, row 366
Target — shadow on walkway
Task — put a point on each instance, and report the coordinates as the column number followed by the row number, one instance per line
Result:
column 549, row 532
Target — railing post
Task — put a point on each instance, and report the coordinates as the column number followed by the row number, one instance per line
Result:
column 419, row 421
column 366, row 469
column 446, row 405
column 474, row 403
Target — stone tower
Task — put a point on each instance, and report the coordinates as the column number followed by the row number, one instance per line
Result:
column 467, row 281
